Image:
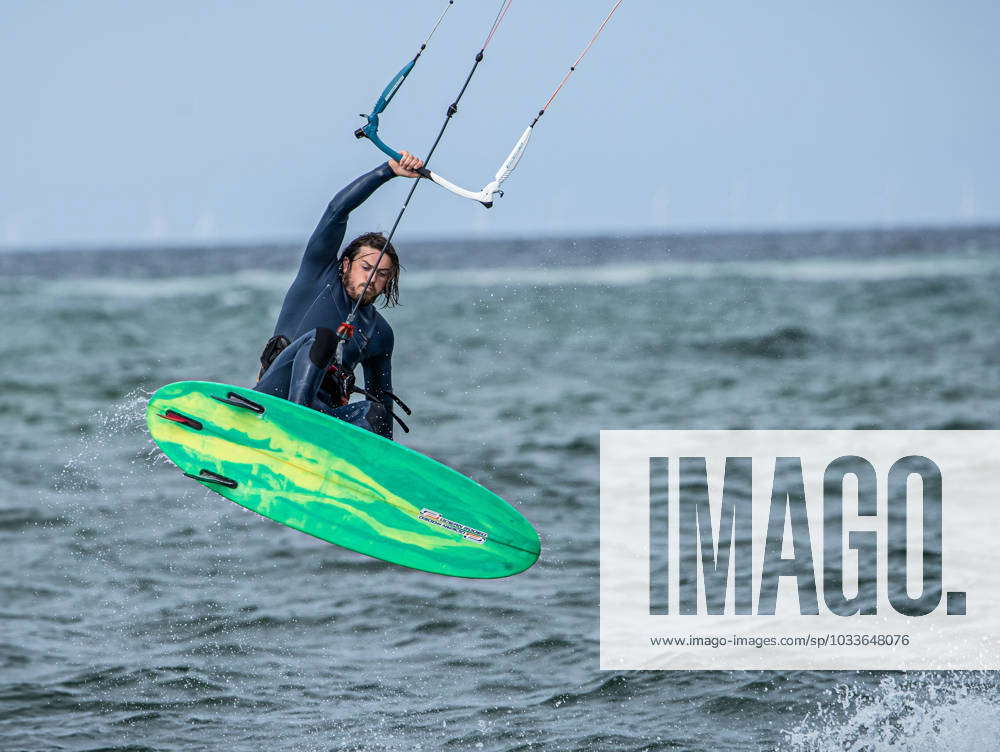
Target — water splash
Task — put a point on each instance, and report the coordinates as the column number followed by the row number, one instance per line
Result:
column 917, row 713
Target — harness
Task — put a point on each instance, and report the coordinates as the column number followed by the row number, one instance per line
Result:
column 274, row 346
column 339, row 383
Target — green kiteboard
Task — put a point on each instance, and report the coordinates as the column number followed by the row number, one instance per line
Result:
column 338, row 482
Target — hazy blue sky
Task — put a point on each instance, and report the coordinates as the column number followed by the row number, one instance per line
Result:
column 140, row 122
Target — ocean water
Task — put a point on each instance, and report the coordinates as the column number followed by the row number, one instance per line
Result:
column 138, row 611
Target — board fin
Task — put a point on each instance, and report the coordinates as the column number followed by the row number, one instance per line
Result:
column 184, row 420
column 207, row 476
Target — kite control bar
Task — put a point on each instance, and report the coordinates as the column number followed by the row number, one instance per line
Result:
column 370, row 129
column 491, row 190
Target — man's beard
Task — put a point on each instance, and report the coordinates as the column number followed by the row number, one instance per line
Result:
column 369, row 297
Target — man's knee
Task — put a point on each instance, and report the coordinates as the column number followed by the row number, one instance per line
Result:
column 379, row 419
column 324, row 347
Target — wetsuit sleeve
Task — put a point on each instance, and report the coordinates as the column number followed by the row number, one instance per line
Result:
column 323, row 246
column 378, row 380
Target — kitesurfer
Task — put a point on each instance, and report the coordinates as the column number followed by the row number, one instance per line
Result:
column 298, row 361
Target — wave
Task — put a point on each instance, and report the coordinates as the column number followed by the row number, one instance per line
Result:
column 169, row 287
column 784, row 342
column 931, row 713
column 607, row 275
column 806, row 270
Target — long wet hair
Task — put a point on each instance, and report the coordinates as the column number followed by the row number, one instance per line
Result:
column 378, row 241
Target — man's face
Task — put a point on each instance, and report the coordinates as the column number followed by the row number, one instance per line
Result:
column 357, row 271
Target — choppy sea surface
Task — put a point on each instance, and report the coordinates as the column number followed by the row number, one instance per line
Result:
column 138, row 611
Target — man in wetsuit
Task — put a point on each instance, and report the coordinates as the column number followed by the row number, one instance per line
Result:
column 298, row 362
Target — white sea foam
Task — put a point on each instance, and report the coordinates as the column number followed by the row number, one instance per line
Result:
column 169, row 287
column 638, row 273
column 612, row 275
column 919, row 713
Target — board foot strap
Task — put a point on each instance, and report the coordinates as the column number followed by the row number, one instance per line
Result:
column 238, row 400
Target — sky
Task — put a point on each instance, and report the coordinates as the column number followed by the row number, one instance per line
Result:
column 207, row 121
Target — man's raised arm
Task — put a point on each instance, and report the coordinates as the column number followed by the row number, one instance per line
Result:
column 329, row 233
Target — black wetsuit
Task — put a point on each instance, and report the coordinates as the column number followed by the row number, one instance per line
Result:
column 314, row 307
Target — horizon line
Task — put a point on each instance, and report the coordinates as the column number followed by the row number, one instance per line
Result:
column 142, row 245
